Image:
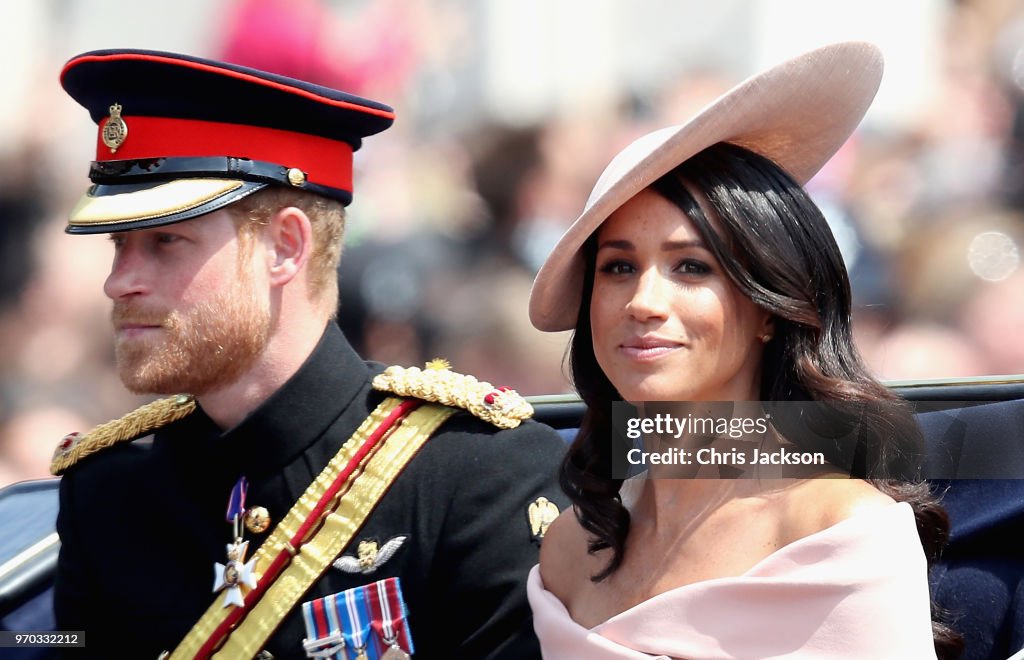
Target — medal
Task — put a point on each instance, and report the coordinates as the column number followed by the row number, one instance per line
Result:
column 354, row 626
column 323, row 629
column 394, row 652
column 236, row 572
column 388, row 618
column 369, row 622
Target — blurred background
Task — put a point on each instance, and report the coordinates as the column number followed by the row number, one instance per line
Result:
column 507, row 112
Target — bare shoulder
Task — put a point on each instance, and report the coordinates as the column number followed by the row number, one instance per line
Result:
column 563, row 556
column 817, row 504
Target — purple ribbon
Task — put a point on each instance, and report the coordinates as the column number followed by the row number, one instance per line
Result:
column 236, row 505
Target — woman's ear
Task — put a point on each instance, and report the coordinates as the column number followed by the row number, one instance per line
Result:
column 767, row 328
column 289, row 239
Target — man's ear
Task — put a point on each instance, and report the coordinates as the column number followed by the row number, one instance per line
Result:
column 290, row 243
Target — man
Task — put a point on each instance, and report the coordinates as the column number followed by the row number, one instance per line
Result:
column 267, row 511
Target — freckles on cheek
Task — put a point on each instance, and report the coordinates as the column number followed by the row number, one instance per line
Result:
column 705, row 318
column 604, row 313
column 599, row 331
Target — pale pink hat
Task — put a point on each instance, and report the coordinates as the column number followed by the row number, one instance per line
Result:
column 797, row 114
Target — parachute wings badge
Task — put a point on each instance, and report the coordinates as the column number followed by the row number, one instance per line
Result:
column 369, row 556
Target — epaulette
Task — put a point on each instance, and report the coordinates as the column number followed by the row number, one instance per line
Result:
column 501, row 406
column 76, row 446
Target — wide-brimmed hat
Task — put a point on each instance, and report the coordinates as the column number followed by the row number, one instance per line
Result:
column 797, row 114
column 181, row 136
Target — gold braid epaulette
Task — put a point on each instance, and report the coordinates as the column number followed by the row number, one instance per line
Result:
column 501, row 406
column 76, row 446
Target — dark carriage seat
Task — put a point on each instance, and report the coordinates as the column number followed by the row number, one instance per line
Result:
column 980, row 578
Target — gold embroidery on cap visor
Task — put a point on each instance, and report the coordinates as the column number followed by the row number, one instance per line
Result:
column 150, row 204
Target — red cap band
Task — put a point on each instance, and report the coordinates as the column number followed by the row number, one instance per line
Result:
column 326, row 162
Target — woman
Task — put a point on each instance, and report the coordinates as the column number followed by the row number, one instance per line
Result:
column 701, row 271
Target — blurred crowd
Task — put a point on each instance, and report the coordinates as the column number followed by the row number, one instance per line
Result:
column 455, row 211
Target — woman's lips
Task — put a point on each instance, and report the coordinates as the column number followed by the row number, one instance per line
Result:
column 646, row 349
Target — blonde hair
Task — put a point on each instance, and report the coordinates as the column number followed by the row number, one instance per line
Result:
column 327, row 218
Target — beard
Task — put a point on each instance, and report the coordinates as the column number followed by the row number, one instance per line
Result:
column 197, row 350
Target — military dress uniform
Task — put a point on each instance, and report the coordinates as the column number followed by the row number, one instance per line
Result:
column 357, row 512
column 142, row 523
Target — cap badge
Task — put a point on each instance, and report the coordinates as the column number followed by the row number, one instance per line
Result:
column 542, row 512
column 115, row 131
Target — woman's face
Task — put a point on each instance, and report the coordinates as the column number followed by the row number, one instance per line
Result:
column 668, row 323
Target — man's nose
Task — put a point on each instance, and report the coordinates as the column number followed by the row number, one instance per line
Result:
column 127, row 273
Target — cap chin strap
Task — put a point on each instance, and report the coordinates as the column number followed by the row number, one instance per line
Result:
column 147, row 170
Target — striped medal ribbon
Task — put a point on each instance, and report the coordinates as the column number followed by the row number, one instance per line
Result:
column 388, row 618
column 355, row 624
column 324, row 638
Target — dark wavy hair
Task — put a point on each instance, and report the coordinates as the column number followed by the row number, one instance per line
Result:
column 777, row 248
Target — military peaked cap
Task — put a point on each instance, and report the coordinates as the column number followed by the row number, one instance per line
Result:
column 180, row 136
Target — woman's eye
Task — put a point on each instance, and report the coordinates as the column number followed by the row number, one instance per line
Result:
column 617, row 267
column 693, row 267
column 167, row 238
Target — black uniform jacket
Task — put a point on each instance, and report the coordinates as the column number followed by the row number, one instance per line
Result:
column 143, row 523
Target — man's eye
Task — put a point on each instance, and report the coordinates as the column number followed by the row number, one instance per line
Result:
column 167, row 238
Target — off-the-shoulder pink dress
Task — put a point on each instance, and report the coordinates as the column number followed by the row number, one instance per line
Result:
column 858, row 589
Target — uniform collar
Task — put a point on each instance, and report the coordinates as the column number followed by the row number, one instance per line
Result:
column 293, row 417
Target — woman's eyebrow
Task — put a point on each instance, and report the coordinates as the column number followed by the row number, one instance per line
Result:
column 617, row 244
column 667, row 246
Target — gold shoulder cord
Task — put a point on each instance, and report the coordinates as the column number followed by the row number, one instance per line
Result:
column 501, row 406
column 339, row 527
column 135, row 424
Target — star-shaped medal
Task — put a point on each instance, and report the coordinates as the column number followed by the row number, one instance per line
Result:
column 234, row 574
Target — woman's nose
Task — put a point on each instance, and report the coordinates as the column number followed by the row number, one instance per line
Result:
column 649, row 299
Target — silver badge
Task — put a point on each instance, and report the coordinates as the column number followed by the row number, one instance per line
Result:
column 369, row 556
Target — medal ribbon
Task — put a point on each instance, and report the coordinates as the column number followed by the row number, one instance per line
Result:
column 388, row 614
column 355, row 630
column 323, row 629
column 236, row 503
